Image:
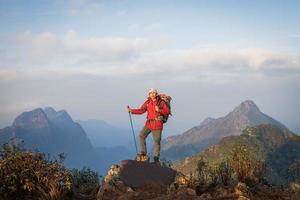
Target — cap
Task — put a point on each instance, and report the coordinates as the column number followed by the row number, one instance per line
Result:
column 152, row 90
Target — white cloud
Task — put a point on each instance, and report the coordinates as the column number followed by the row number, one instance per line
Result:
column 104, row 48
column 44, row 47
column 120, row 56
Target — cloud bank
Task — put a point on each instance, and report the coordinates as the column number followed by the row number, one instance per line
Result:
column 30, row 54
column 96, row 77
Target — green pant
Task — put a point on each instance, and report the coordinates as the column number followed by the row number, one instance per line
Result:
column 156, row 137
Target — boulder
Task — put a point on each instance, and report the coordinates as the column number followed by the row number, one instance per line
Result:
column 135, row 174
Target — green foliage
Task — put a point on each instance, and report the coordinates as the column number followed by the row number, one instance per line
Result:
column 225, row 173
column 241, row 165
column 85, row 181
column 29, row 175
column 294, row 171
column 207, row 174
column 297, row 138
column 202, row 172
column 247, row 168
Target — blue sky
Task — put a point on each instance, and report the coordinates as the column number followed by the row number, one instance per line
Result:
column 267, row 23
column 95, row 57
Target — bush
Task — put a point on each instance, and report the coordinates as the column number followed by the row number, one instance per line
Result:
column 207, row 174
column 85, row 181
column 202, row 172
column 247, row 168
column 29, row 175
column 224, row 173
column 294, row 171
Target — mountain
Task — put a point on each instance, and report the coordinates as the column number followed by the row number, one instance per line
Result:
column 53, row 132
column 102, row 134
column 115, row 154
column 279, row 148
column 210, row 131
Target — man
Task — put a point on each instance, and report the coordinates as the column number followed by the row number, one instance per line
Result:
column 155, row 108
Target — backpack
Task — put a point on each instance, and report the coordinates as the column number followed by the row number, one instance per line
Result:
column 167, row 100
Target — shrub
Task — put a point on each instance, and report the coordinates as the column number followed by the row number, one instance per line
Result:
column 247, row 168
column 224, row 173
column 202, row 172
column 294, row 171
column 29, row 175
column 84, row 181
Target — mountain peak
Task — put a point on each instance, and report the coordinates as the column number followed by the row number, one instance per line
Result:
column 61, row 115
column 207, row 121
column 50, row 112
column 247, row 106
column 32, row 119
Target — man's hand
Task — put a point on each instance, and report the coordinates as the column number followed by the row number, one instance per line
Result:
column 156, row 108
column 129, row 109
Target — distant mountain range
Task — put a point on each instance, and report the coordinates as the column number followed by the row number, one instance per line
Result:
column 211, row 131
column 53, row 132
column 277, row 147
column 112, row 144
column 103, row 134
column 96, row 144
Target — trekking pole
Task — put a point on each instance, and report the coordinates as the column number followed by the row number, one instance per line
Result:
column 133, row 132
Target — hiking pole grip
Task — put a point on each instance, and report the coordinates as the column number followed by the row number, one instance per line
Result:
column 133, row 132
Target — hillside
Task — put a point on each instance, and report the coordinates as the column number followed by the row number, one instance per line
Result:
column 211, row 131
column 276, row 147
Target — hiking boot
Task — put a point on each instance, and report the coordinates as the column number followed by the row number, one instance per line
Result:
column 142, row 157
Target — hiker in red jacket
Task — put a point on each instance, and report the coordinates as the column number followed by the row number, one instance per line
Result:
column 154, row 121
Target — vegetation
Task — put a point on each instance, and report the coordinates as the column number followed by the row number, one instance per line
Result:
column 31, row 175
column 85, row 182
column 294, row 171
column 239, row 166
column 225, row 173
column 246, row 167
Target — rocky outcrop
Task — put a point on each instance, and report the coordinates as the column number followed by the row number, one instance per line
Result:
column 136, row 178
column 136, row 174
column 34, row 119
column 143, row 180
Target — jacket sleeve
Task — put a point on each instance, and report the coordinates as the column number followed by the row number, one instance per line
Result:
column 140, row 110
column 165, row 109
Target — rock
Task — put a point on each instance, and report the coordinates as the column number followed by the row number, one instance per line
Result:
column 181, row 179
column 133, row 179
column 295, row 186
column 242, row 198
column 113, row 174
column 191, row 192
column 135, row 174
column 206, row 196
column 241, row 191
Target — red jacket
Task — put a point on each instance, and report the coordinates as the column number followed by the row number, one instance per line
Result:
column 152, row 121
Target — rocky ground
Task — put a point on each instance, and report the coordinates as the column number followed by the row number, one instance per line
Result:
column 142, row 180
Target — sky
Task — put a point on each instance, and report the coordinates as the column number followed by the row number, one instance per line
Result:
column 93, row 58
